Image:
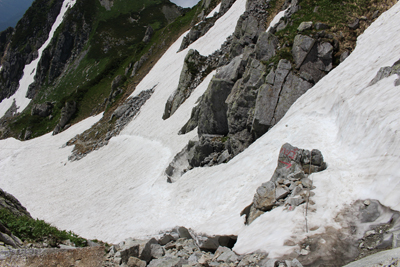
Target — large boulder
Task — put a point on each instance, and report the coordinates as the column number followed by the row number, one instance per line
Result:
column 42, row 110
column 212, row 114
column 265, row 46
column 289, row 185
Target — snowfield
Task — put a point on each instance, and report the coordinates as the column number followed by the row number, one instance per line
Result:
column 121, row 191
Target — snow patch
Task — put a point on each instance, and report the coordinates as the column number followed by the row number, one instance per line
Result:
column 215, row 10
column 277, row 18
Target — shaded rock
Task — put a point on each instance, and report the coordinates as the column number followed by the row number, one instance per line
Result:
column 293, row 88
column 148, row 34
column 266, row 46
column 305, row 25
column 191, row 70
column 301, row 47
column 42, row 110
column 118, row 81
column 135, row 262
column 321, row 26
column 197, row 31
column 9, row 202
column 354, row 25
column 385, row 72
column 66, row 114
column 157, row 251
column 344, row 55
column 212, row 114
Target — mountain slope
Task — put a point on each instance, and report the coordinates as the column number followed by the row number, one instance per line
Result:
column 121, row 190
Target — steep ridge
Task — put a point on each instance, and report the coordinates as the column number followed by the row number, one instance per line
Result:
column 351, row 120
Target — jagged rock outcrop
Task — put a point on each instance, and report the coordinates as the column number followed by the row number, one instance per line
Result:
column 42, row 110
column 193, row 71
column 249, row 26
column 149, row 33
column 124, row 114
column 386, row 72
column 206, row 24
column 29, row 35
column 66, row 114
column 289, row 185
column 63, row 49
column 10, row 203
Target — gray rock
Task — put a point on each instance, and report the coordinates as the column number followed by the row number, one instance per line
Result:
column 233, row 71
column 224, row 254
column 137, row 248
column 344, row 55
column 190, row 70
column 295, row 201
column 386, row 72
column 135, row 262
column 265, row 197
column 305, row 25
column 293, row 88
column 165, row 262
column 42, row 110
column 183, row 232
column 355, row 24
column 265, row 46
column 321, row 26
column 281, row 192
column 118, row 80
column 212, row 114
column 224, row 157
column 6, row 239
column 301, row 47
column 165, row 239
column 396, row 239
column 157, row 251
column 148, row 34
column 66, row 114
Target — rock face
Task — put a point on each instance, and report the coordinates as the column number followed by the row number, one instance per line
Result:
column 193, row 71
column 64, row 48
column 124, row 114
column 289, row 185
column 251, row 93
column 204, row 26
column 42, row 110
column 10, row 203
column 66, row 114
column 27, row 38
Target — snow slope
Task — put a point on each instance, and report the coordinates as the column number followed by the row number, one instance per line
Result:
column 30, row 69
column 121, row 191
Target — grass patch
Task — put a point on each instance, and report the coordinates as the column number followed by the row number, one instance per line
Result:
column 31, row 230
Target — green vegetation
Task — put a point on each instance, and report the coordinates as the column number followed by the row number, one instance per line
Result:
column 31, row 230
column 337, row 14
